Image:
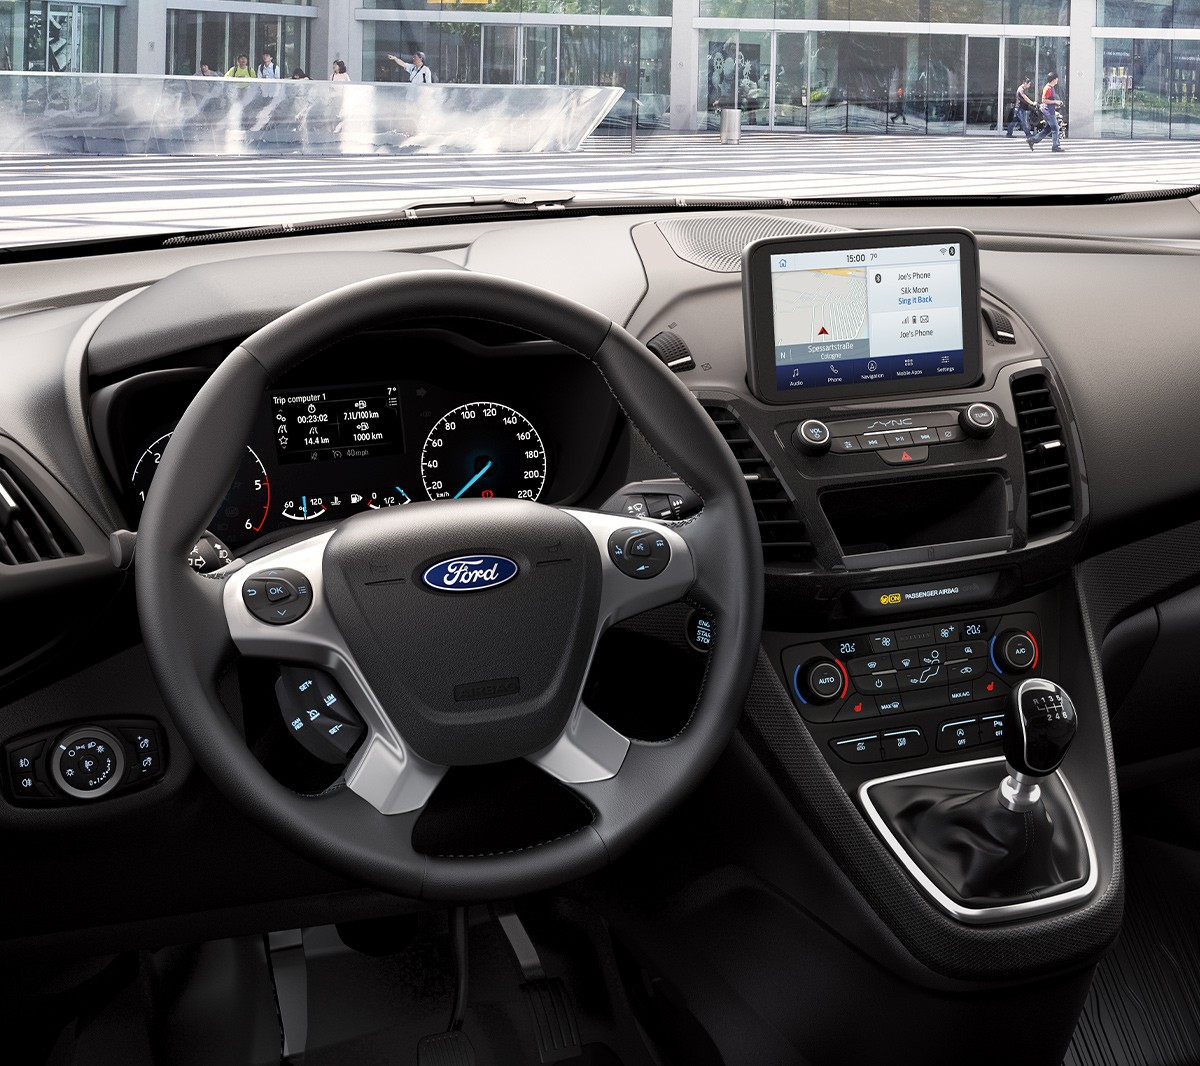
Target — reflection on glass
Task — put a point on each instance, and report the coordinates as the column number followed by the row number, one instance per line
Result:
column 1185, row 90
column 579, row 55
column 944, row 106
column 983, row 71
column 499, row 54
column 827, row 102
column 966, row 11
column 539, row 55
column 1038, row 12
column 1151, row 88
column 791, row 80
column 1156, row 13
column 1114, row 88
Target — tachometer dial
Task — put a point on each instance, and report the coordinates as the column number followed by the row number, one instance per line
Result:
column 246, row 506
column 481, row 450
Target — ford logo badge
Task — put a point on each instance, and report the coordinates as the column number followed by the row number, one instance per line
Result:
column 470, row 573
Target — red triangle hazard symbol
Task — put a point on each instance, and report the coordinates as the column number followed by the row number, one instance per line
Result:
column 822, row 332
column 905, row 457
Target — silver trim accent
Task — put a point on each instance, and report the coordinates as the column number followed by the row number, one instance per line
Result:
column 386, row 772
column 589, row 749
column 981, row 915
column 1020, row 793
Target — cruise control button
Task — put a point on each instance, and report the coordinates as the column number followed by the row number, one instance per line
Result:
column 858, row 749
column 858, row 707
column 917, row 453
column 904, row 744
column 962, row 733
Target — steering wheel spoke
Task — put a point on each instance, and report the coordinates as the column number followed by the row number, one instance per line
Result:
column 385, row 771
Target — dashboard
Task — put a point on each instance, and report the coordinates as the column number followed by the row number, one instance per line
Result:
column 353, row 432
column 928, row 546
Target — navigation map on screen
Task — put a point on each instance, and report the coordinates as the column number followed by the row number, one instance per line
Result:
column 846, row 317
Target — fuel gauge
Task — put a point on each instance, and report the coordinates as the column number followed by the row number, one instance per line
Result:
column 396, row 498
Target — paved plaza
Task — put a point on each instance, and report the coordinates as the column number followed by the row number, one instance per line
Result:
column 79, row 198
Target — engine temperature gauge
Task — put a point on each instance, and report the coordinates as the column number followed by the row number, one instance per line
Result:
column 304, row 509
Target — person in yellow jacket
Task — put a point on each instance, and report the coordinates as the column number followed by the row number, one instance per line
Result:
column 242, row 70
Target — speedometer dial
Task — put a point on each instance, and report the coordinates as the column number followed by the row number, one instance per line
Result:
column 481, row 450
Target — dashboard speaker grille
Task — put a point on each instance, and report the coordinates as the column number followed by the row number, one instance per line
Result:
column 716, row 243
column 1049, row 496
column 783, row 535
column 30, row 531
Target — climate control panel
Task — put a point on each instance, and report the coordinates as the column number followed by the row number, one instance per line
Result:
column 908, row 691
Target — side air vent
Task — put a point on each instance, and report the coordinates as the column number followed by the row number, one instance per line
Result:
column 30, row 531
column 783, row 535
column 1049, row 497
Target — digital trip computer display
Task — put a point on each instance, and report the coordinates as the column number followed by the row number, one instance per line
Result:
column 862, row 313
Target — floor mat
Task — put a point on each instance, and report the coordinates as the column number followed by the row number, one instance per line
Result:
column 1144, row 1006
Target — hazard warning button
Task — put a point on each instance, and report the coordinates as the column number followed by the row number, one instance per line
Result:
column 918, row 453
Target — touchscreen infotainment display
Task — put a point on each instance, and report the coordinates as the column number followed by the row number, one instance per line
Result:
column 862, row 313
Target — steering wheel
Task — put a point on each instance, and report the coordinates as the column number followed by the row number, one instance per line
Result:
column 402, row 648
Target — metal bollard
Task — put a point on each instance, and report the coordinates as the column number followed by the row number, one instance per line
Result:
column 633, row 125
column 731, row 125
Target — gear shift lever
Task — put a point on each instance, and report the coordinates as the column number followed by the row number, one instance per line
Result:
column 1039, row 727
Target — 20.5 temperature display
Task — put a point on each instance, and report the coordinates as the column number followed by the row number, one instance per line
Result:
column 481, row 450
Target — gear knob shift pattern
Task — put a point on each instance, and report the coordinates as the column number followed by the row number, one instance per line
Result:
column 1041, row 723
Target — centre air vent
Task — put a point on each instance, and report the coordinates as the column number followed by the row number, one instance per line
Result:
column 784, row 540
column 1049, row 496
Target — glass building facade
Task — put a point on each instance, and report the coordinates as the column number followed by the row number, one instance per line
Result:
column 58, row 37
column 1128, row 68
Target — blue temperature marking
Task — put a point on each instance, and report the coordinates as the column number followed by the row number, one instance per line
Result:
column 405, row 494
column 304, row 505
column 474, row 479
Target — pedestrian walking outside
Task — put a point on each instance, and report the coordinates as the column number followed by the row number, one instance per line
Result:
column 418, row 72
column 1050, row 105
column 267, row 68
column 339, row 71
column 207, row 72
column 1023, row 104
column 241, row 69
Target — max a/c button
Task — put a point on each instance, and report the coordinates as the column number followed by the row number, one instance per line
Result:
column 917, row 453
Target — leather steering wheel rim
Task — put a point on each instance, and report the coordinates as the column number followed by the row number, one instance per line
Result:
column 190, row 646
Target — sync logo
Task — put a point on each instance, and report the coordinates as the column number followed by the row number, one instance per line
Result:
column 470, row 573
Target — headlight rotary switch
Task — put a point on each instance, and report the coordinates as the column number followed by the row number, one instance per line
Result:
column 87, row 762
